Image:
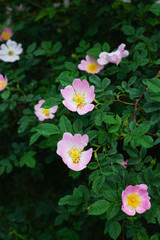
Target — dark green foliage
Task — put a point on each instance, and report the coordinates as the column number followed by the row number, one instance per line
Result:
column 41, row 199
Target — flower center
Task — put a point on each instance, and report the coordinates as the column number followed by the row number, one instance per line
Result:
column 133, row 200
column 2, row 84
column 46, row 112
column 6, row 35
column 79, row 99
column 10, row 53
column 92, row 67
column 75, row 154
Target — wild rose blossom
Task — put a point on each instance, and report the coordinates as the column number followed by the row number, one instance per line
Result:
column 90, row 65
column 10, row 51
column 3, row 82
column 43, row 113
column 79, row 96
column 135, row 199
column 6, row 34
column 113, row 57
column 70, row 149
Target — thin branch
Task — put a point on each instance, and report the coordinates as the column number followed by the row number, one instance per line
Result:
column 118, row 100
column 152, row 134
column 136, row 104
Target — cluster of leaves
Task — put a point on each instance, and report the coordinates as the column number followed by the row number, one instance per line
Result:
column 52, row 202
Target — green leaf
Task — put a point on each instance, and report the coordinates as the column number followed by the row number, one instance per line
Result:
column 105, row 83
column 154, row 85
column 70, row 200
column 155, row 9
column 148, row 176
column 110, row 195
column 39, row 52
column 142, row 236
column 96, row 81
column 117, row 158
column 47, row 129
column 57, row 47
column 34, row 138
column 110, row 119
column 77, row 125
column 106, row 47
column 142, row 129
column 28, row 159
column 113, row 210
column 51, row 102
column 102, row 137
column 99, row 207
column 146, row 141
column 155, row 97
column 70, row 66
column 114, row 129
column 31, row 48
column 65, row 124
column 114, row 229
column 99, row 118
column 128, row 30
column 94, row 52
column 151, row 107
column 92, row 134
column 40, row 15
column 154, row 237
column 5, row 95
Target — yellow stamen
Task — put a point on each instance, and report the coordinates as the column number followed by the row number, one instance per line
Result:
column 92, row 67
column 79, row 98
column 133, row 200
column 10, row 53
column 46, row 112
column 2, row 84
column 75, row 154
column 6, row 35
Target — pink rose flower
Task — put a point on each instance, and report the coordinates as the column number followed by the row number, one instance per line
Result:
column 6, row 34
column 113, row 57
column 135, row 199
column 3, row 82
column 79, row 96
column 70, row 148
column 43, row 113
column 124, row 164
column 90, row 65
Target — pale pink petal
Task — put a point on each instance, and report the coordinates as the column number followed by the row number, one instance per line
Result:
column 68, row 92
column 90, row 59
column 77, row 85
column 87, row 108
column 125, row 54
column 80, row 141
column 121, row 47
column 145, row 205
column 4, row 48
column 128, row 211
column 82, row 65
column 102, row 60
column 143, row 186
column 54, row 109
column 19, row 49
column 11, row 44
column 76, row 167
column 90, row 95
column 71, row 105
column 40, row 116
column 86, row 156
